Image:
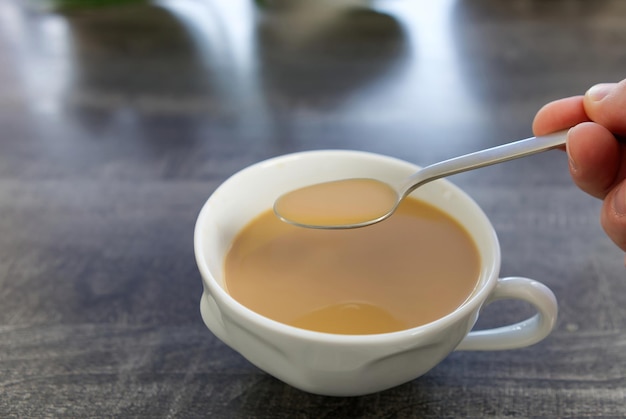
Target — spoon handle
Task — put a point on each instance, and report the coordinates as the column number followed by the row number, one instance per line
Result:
column 484, row 158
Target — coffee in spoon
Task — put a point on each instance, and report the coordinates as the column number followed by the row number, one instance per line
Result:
column 359, row 202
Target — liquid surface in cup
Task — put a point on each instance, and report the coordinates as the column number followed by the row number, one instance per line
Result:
column 408, row 270
column 341, row 202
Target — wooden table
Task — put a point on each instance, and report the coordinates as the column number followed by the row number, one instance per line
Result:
column 117, row 123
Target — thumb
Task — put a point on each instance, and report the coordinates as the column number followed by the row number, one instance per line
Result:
column 613, row 215
column 605, row 104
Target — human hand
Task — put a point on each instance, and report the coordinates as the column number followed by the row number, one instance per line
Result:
column 597, row 159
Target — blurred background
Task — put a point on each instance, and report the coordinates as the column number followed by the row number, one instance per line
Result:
column 118, row 118
column 431, row 78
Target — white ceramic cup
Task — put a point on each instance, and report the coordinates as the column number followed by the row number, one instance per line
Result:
column 348, row 365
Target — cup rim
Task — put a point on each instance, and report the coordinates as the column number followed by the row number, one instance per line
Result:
column 240, row 313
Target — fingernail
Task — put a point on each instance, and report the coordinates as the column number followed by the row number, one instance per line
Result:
column 599, row 91
column 572, row 163
column 619, row 200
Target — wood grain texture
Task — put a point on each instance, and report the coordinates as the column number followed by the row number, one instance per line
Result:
column 117, row 124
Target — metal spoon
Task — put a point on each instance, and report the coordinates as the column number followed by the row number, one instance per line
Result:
column 327, row 215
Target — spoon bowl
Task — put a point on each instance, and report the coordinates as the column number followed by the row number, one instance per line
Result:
column 359, row 202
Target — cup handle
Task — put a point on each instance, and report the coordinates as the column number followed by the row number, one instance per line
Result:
column 524, row 333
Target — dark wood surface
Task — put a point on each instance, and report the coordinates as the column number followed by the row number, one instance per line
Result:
column 116, row 124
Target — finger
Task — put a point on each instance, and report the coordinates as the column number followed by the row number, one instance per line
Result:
column 595, row 158
column 606, row 104
column 613, row 215
column 560, row 114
